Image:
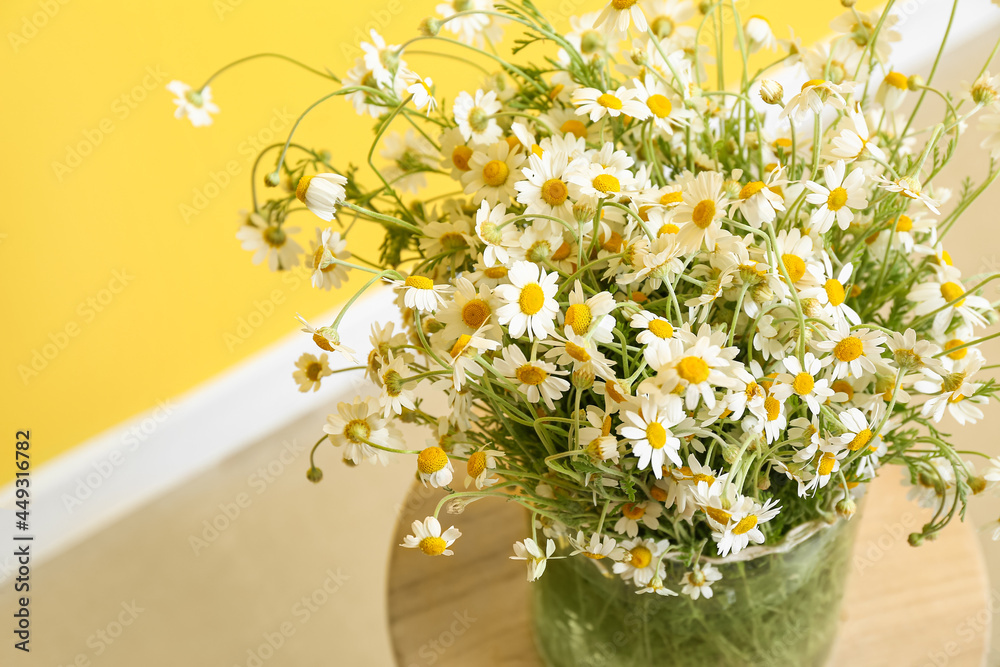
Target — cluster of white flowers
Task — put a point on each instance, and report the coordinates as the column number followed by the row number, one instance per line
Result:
column 662, row 316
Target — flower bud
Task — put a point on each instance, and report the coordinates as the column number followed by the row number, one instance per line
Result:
column 582, row 378
column 847, row 3
column 977, row 484
column 915, row 539
column 983, row 94
column 705, row 6
column 762, row 293
column 314, row 475
column 846, row 507
column 763, row 481
column 771, row 92
column 430, row 27
column 272, row 180
column 915, row 82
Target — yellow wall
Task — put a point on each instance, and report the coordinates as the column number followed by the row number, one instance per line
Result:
column 112, row 300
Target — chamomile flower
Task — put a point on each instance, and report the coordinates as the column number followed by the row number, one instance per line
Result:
column 693, row 367
column 492, row 174
column 759, row 201
column 597, row 438
column 328, row 273
column 434, row 467
column 270, row 241
column 195, row 105
column 463, row 352
column 854, row 351
column 310, row 371
column 654, row 334
column 801, row 380
column 421, row 293
column 909, row 188
column 475, row 117
column 953, row 391
column 827, row 464
column 590, row 315
column 664, row 108
column 427, row 537
column 543, row 189
column 645, row 512
column 702, row 205
column 598, row 547
column 535, row 558
column 421, row 89
column 814, row 95
column 745, row 518
column 581, row 353
column 858, row 429
column 648, row 427
column 697, row 583
column 856, row 142
column 642, row 561
column 774, row 421
column 833, row 294
column 357, row 426
column 759, row 35
column 480, row 467
column 537, row 380
column 493, row 228
column 395, row 395
column 837, row 197
column 530, row 304
column 469, row 311
column 620, row 14
column 946, row 288
column 322, row 193
column 327, row 338
column 614, row 103
column 909, row 353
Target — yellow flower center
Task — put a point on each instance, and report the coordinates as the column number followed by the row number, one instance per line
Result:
column 717, row 514
column 836, row 200
column 532, row 375
column 896, row 80
column 668, row 228
column 659, row 105
column 577, row 352
column 431, row 460
column 657, row 435
column 579, row 316
column 475, row 312
column 826, row 463
column 843, row 387
column 459, row 345
column 812, row 83
column 633, row 511
column 957, row 354
column 795, row 266
column 302, row 187
column 753, row 390
column 614, row 242
column 476, row 464
column 693, row 370
column 609, row 101
column 904, row 223
column 848, row 349
column 460, row 157
column 622, row 5
column 750, row 189
column 322, row 343
column 357, row 431
column 495, row 173
column 532, row 298
column 834, row 292
column 672, row 198
column 745, row 525
column 860, row 440
column 772, row 407
column 419, row 282
column 658, row 494
column 951, row 291
column 495, row 272
column 433, row 546
column 554, row 192
column 574, row 127
column 606, row 183
column 612, row 390
column 641, row 556
column 313, row 370
column 661, row 329
column 803, row 384
column 703, row 213
column 561, row 253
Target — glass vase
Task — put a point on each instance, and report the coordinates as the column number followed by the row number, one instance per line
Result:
column 779, row 606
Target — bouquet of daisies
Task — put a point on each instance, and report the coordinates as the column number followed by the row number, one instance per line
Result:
column 669, row 316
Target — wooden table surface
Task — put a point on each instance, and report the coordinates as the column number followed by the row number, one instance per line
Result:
column 904, row 606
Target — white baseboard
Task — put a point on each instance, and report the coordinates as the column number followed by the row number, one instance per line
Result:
column 135, row 462
column 113, row 474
